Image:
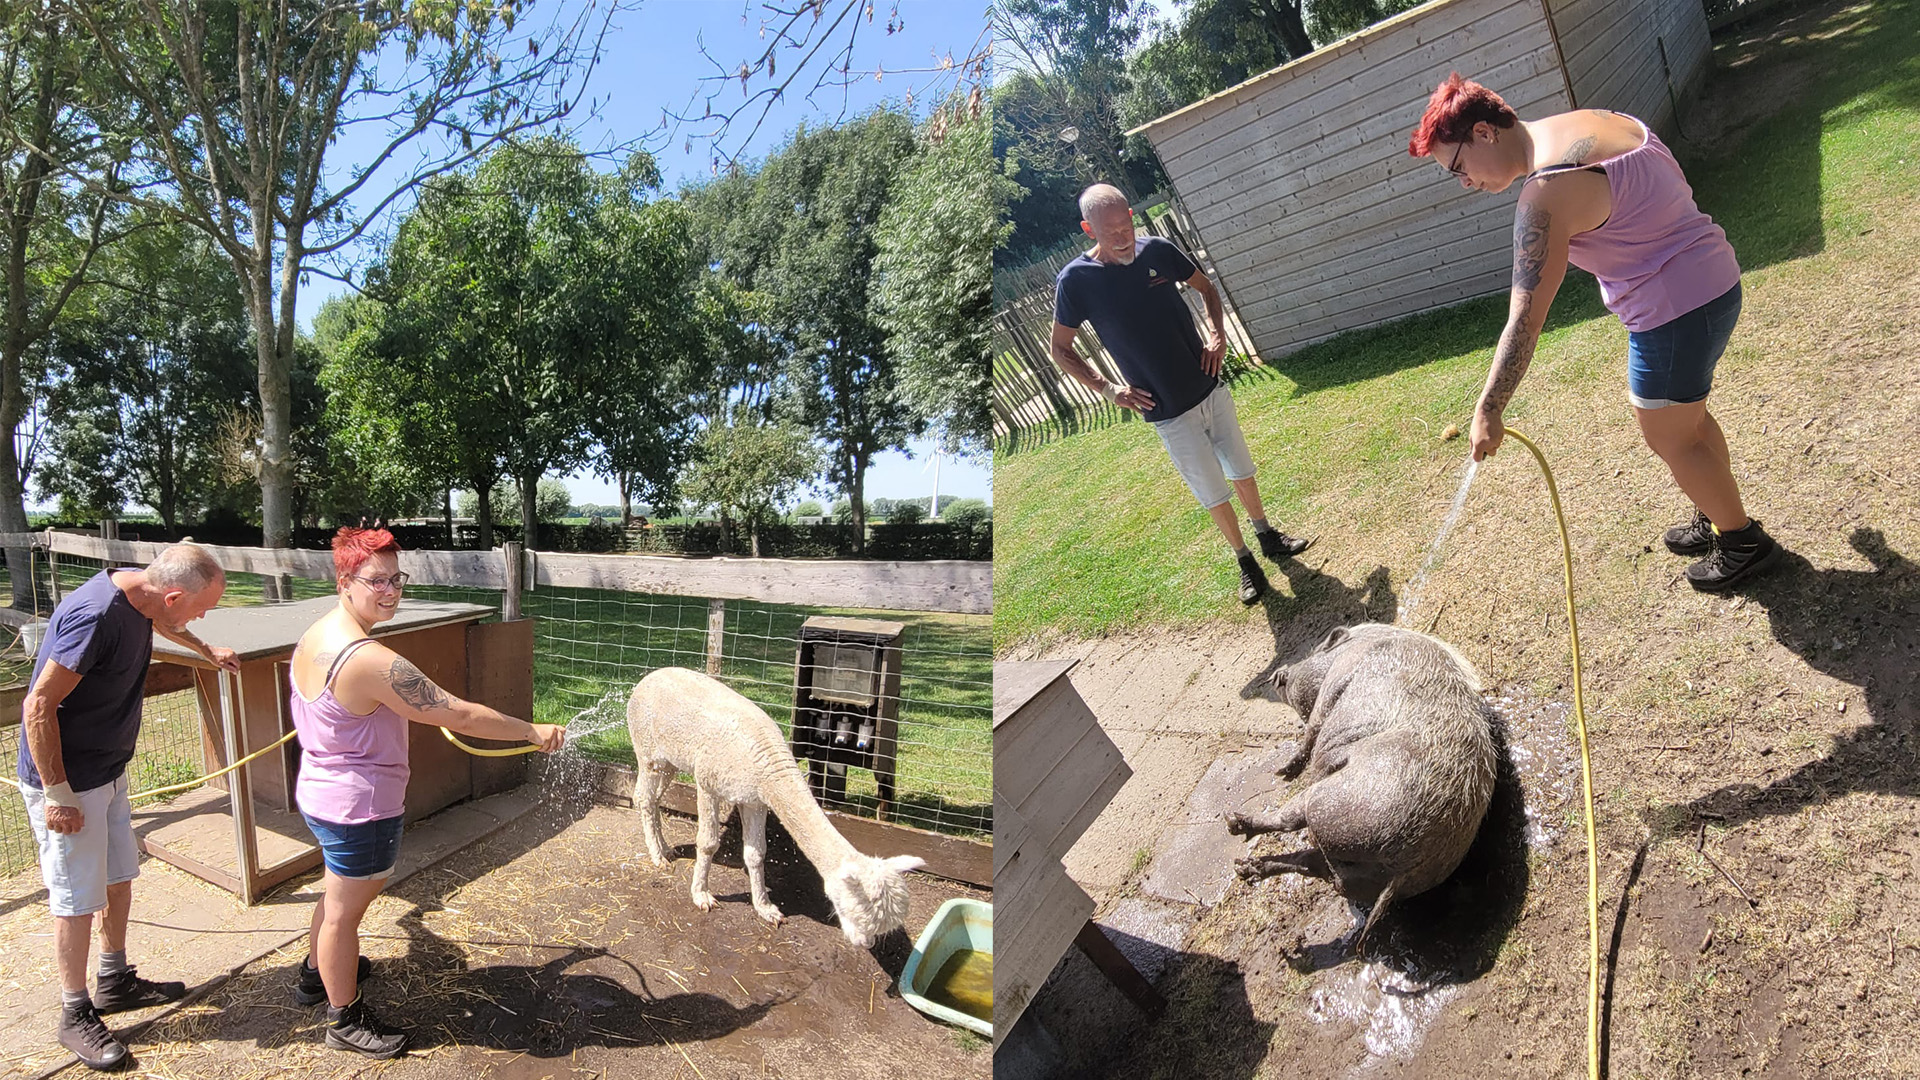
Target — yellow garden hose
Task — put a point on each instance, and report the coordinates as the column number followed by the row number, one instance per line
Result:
column 169, row 789
column 281, row 741
column 478, row 751
column 1586, row 773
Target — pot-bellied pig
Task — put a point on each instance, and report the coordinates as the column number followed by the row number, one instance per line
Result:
column 1399, row 754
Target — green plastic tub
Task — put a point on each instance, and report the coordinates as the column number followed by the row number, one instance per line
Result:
column 960, row 924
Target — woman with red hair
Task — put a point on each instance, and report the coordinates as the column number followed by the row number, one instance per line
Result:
column 352, row 699
column 1601, row 191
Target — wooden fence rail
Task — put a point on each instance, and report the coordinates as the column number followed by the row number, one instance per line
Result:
column 951, row 586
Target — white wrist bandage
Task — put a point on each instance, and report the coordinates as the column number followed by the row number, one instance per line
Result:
column 61, row 794
column 1110, row 392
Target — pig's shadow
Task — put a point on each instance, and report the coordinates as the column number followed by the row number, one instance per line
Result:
column 1453, row 932
column 1319, row 602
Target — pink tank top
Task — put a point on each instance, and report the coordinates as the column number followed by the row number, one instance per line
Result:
column 1657, row 255
column 353, row 769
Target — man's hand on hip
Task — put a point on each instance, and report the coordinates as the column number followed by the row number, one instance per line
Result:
column 65, row 819
column 1212, row 353
column 1132, row 397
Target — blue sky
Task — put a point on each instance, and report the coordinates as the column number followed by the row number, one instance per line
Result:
column 652, row 63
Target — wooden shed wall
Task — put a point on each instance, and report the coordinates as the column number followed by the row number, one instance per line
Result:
column 1300, row 185
column 1637, row 56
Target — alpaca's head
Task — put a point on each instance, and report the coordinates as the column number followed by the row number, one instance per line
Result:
column 870, row 895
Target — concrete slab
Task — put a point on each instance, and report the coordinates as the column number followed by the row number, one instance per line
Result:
column 1195, row 863
column 1194, row 858
column 1148, row 932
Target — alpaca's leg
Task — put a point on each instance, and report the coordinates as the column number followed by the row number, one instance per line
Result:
column 706, row 843
column 649, row 784
column 753, row 847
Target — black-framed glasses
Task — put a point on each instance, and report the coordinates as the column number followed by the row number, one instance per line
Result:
column 396, row 582
column 1455, row 167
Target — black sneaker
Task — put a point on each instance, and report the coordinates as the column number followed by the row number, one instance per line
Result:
column 1736, row 556
column 1277, row 545
column 82, row 1032
column 357, row 1029
column 127, row 990
column 1253, row 583
column 1693, row 538
column 308, row 989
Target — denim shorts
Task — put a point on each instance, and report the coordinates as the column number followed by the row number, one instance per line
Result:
column 78, row 867
column 363, row 851
column 1672, row 364
column 1207, row 448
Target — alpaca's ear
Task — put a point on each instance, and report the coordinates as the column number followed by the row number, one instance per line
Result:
column 903, row 863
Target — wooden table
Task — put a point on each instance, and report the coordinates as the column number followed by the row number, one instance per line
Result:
column 243, row 831
column 1054, row 770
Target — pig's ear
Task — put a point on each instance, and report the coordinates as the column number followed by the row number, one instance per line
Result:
column 1335, row 637
column 1278, row 680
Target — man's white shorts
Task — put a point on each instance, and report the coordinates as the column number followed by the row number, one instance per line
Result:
column 1207, row 448
column 78, row 867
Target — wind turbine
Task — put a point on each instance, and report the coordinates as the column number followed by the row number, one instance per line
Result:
column 933, row 513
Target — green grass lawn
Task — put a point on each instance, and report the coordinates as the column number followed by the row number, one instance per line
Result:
column 1097, row 532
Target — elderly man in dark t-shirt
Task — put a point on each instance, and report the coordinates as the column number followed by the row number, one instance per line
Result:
column 81, row 719
column 1129, row 289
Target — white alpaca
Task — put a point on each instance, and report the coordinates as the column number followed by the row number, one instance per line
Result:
column 684, row 721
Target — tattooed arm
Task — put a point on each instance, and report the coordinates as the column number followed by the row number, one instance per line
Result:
column 1540, row 237
column 407, row 690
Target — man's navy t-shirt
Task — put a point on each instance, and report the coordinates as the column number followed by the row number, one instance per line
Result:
column 96, row 632
column 1138, row 312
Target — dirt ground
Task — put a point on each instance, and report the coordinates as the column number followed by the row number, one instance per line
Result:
column 1756, row 755
column 553, row 949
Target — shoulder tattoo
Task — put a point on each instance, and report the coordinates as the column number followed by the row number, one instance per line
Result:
column 1578, row 152
column 415, row 688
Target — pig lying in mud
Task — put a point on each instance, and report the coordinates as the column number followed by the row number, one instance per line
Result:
column 1399, row 754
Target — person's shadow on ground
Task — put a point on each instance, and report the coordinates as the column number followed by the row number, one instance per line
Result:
column 1859, row 626
column 1318, row 602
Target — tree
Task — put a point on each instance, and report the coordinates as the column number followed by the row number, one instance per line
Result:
column 1073, row 56
column 746, row 467
column 165, row 344
column 80, row 469
column 238, row 105
column 934, row 274
column 551, row 500
column 819, row 39
column 907, row 512
column 529, row 301
column 800, row 233
column 645, row 403
column 1045, row 216
column 52, row 226
column 386, row 423
column 966, row 512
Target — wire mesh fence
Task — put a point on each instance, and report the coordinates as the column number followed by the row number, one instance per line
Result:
column 590, row 647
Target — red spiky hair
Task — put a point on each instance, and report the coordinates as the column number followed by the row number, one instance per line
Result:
column 1454, row 108
column 353, row 547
